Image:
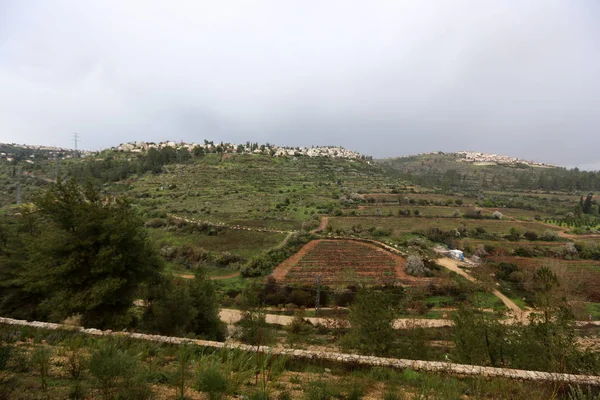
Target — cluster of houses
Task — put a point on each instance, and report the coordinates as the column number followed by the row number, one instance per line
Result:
column 248, row 148
column 485, row 158
column 27, row 152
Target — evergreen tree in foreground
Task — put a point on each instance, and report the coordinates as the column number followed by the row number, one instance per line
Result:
column 84, row 254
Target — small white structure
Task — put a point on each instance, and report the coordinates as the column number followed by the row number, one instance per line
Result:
column 457, row 254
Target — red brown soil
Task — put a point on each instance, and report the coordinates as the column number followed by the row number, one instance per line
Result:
column 332, row 258
column 322, row 225
column 212, row 278
column 282, row 269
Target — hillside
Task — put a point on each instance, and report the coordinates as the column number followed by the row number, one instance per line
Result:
column 477, row 171
column 323, row 235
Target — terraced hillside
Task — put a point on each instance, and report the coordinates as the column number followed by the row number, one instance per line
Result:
column 453, row 170
column 254, row 189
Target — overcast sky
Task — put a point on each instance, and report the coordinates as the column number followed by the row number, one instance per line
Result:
column 385, row 78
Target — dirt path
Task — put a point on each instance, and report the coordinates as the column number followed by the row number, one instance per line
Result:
column 453, row 265
column 322, row 225
column 212, row 278
column 285, row 240
column 231, row 316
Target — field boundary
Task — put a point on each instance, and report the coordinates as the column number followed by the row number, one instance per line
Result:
column 223, row 225
column 343, row 358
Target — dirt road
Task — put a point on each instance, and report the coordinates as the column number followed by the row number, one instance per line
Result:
column 453, row 265
column 212, row 278
column 322, row 225
column 231, row 316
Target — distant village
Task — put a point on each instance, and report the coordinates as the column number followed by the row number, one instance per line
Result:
column 478, row 158
column 494, row 159
column 248, row 148
column 28, row 153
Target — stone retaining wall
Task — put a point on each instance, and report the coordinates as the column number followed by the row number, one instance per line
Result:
column 417, row 365
column 223, row 225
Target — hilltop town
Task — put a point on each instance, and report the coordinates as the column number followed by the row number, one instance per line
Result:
column 494, row 159
column 29, row 152
column 479, row 158
column 247, row 148
column 13, row 151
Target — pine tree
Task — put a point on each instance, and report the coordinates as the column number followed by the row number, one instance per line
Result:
column 587, row 204
column 89, row 256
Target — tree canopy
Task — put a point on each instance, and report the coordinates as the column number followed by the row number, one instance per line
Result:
column 77, row 252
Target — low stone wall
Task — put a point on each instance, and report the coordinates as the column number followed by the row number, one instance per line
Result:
column 223, row 225
column 417, row 365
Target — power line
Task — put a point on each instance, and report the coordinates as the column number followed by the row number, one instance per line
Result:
column 76, row 139
column 55, row 168
column 19, row 199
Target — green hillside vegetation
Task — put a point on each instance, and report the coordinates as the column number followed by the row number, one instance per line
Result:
column 158, row 241
column 446, row 171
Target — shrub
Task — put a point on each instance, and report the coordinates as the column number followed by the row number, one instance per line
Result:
column 5, row 353
column 549, row 236
column 42, row 359
column 299, row 326
column 357, row 392
column 156, row 223
column 514, row 234
column 371, row 316
column 224, row 372
column 524, row 252
column 531, row 236
column 115, row 372
column 284, row 396
column 415, row 266
column 474, row 213
column 497, row 215
column 212, row 380
column 321, row 390
column 77, row 392
column 389, row 395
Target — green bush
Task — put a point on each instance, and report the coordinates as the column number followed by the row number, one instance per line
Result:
column 210, row 379
column 42, row 360
column 5, row 354
column 224, row 372
column 115, row 373
column 321, row 390
column 356, row 392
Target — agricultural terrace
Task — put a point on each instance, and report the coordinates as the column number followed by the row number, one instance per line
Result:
column 580, row 277
column 241, row 242
column 410, row 224
column 277, row 192
column 416, row 197
column 423, row 211
column 559, row 196
column 506, row 247
column 343, row 263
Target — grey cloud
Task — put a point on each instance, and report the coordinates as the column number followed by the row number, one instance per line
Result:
column 382, row 77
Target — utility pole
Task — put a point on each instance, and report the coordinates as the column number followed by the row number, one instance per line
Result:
column 19, row 199
column 318, row 298
column 76, row 139
column 55, row 168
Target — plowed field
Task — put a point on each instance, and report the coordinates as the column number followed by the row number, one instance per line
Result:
column 342, row 263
